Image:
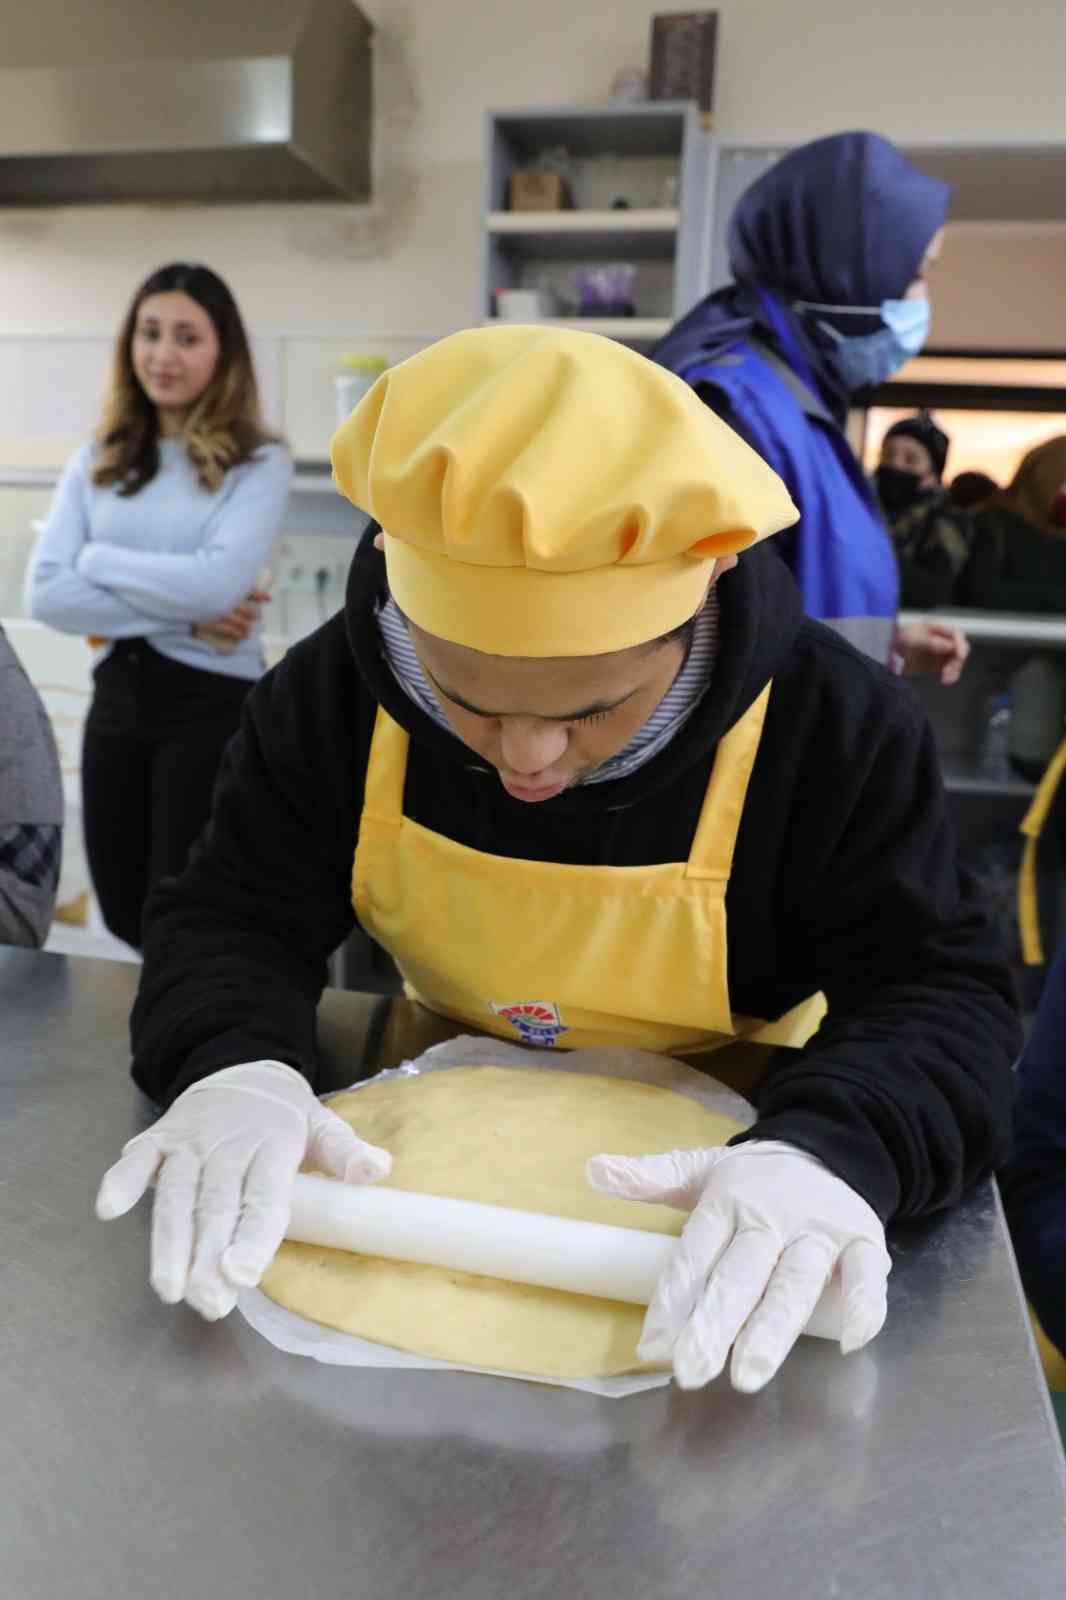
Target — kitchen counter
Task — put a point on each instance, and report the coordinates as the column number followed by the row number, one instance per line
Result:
column 147, row 1453
column 309, row 477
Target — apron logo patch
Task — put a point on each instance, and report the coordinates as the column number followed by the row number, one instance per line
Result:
column 535, row 1021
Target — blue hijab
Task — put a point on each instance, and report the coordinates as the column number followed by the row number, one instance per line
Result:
column 844, row 220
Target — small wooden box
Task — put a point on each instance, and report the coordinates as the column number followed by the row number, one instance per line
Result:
column 537, row 191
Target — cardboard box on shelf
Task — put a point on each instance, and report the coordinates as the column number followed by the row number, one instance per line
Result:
column 537, row 191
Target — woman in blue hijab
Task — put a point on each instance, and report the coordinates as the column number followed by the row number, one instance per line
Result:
column 829, row 252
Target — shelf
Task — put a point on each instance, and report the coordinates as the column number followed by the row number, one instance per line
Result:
column 998, row 627
column 568, row 235
column 963, row 775
column 648, row 128
column 665, row 219
column 631, row 330
column 612, row 143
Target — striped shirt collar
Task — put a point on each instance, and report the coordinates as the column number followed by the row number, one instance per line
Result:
column 668, row 718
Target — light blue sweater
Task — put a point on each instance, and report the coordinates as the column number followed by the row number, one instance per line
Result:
column 150, row 565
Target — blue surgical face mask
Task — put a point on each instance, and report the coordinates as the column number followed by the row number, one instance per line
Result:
column 864, row 360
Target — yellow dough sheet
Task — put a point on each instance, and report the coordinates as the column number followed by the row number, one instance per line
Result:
column 508, row 1136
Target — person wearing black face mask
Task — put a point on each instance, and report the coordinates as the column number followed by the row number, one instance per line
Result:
column 913, row 456
column 932, row 537
column 829, row 252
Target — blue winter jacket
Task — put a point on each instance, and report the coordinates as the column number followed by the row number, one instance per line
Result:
column 840, row 552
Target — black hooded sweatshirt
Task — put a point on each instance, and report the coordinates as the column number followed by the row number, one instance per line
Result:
column 844, row 879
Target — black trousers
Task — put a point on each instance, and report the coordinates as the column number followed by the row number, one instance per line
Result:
column 153, row 742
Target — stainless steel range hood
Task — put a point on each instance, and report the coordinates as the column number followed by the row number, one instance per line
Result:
column 198, row 100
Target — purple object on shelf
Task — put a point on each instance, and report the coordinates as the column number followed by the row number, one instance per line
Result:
column 605, row 291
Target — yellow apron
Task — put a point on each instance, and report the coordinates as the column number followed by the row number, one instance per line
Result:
column 545, row 953
column 1032, row 826
column 1051, row 1358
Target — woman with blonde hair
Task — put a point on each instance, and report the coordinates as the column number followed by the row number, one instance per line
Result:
column 1019, row 550
column 158, row 529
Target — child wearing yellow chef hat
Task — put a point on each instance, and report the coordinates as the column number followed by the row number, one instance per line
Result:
column 573, row 754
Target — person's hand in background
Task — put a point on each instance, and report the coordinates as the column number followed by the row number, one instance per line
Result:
column 226, row 632
column 932, row 649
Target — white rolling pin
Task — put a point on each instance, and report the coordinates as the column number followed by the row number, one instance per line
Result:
column 590, row 1258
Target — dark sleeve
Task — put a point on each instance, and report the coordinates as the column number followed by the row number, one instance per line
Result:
column 1034, row 1183
column 717, row 400
column 905, row 1090
column 30, row 856
column 31, row 807
column 235, row 949
column 1013, row 567
column 932, row 550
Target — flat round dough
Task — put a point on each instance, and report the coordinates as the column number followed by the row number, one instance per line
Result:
column 508, row 1137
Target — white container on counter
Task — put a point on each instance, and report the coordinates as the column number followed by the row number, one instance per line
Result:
column 523, row 305
column 358, row 376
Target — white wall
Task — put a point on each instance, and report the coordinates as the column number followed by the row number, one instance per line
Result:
column 787, row 71
column 1001, row 287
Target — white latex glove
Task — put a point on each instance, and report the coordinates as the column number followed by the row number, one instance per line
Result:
column 769, row 1226
column 223, row 1160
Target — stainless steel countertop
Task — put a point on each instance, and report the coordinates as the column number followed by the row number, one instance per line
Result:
column 145, row 1453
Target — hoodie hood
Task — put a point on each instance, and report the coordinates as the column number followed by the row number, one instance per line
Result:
column 759, row 617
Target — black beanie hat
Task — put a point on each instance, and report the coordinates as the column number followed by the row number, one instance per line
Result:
column 925, row 431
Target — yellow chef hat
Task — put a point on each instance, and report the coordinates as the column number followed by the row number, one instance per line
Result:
column 545, row 492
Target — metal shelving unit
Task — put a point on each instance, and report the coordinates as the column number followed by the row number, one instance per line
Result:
column 646, row 235
column 999, row 641
column 963, row 774
column 635, row 152
column 1020, row 629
